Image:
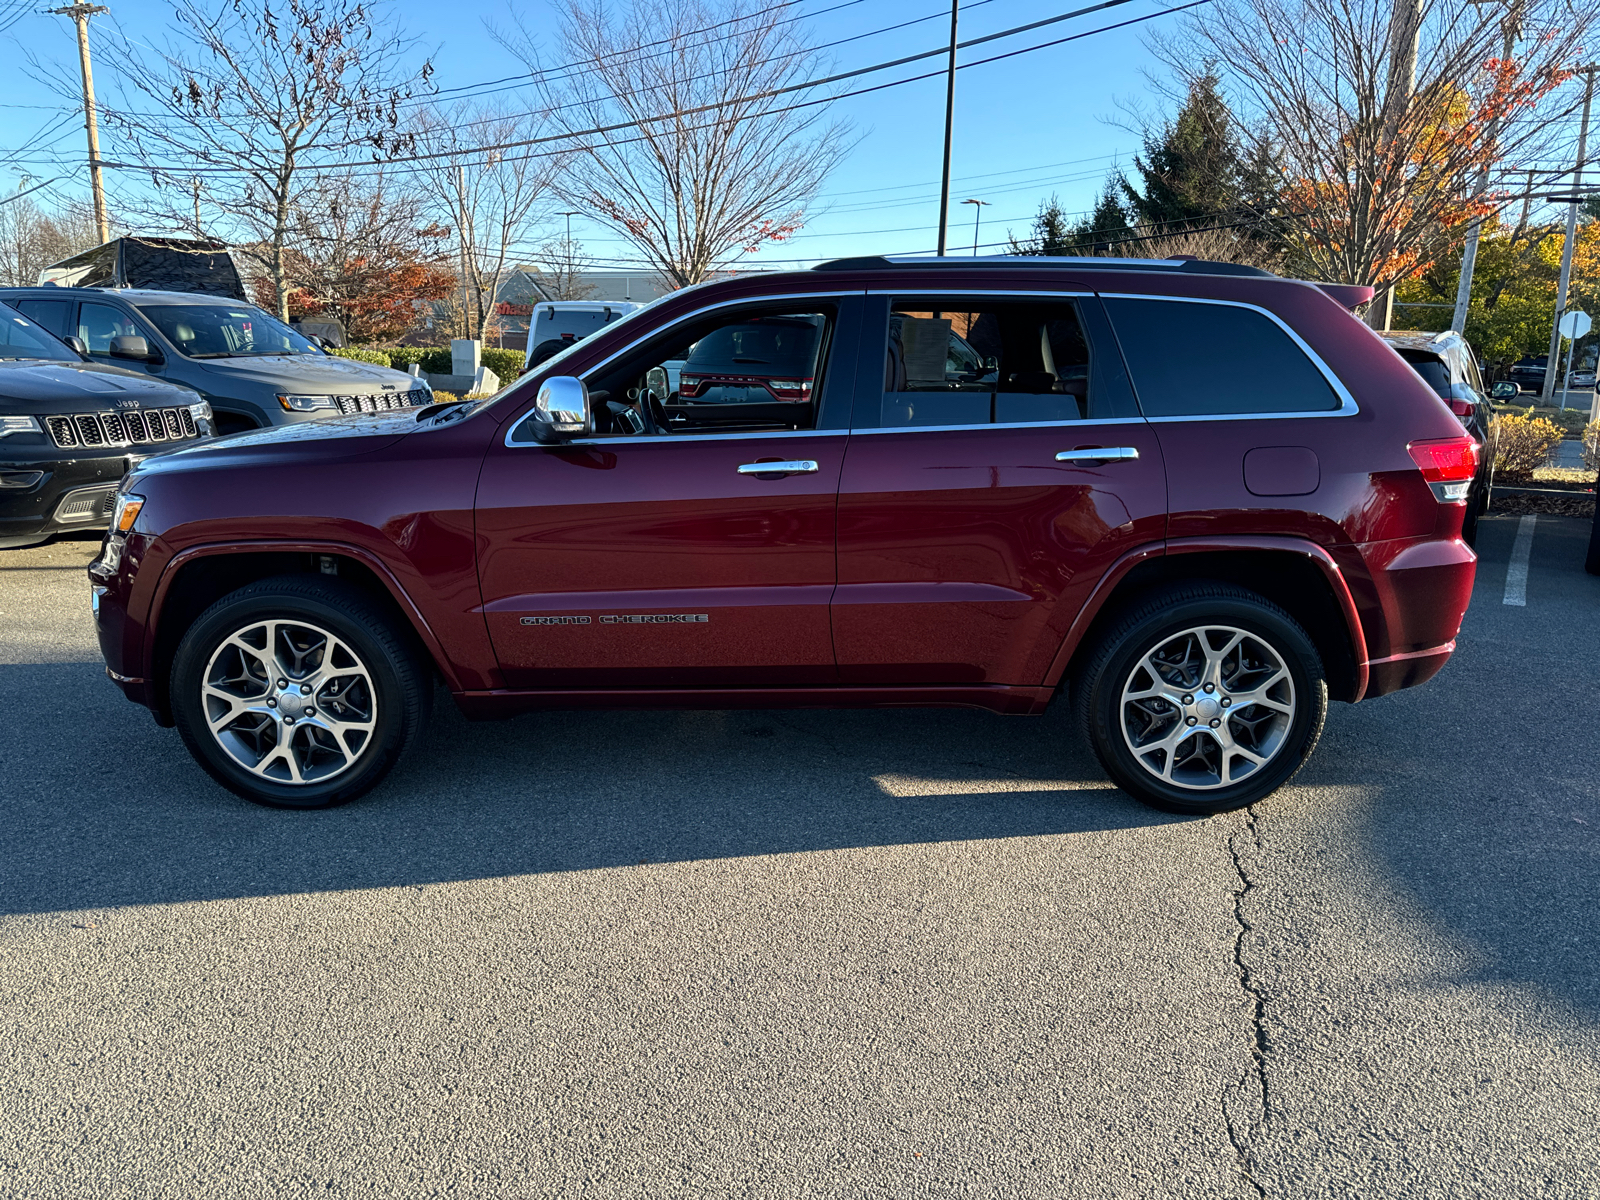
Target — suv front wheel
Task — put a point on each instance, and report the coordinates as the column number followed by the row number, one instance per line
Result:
column 298, row 692
column 1203, row 699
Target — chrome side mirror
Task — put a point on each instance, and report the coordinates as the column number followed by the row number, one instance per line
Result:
column 562, row 409
column 658, row 384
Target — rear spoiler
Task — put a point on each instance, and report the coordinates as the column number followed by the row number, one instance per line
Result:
column 1349, row 295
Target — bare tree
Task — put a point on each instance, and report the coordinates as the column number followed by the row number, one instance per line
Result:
column 1377, row 163
column 695, row 192
column 249, row 97
column 363, row 250
column 491, row 198
column 32, row 238
column 564, row 266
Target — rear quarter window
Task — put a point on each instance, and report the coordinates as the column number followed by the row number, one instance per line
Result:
column 1199, row 359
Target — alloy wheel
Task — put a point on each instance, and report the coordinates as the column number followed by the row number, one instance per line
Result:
column 289, row 701
column 1208, row 707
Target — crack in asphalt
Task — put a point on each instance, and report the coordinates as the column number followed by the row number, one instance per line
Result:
column 1254, row 1080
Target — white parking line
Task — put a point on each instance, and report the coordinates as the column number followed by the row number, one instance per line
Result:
column 1517, row 569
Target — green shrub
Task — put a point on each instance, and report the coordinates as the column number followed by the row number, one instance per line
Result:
column 505, row 363
column 380, row 357
column 401, row 357
column 436, row 360
column 1522, row 444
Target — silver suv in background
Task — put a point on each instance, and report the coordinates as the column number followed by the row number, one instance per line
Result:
column 1446, row 362
column 253, row 369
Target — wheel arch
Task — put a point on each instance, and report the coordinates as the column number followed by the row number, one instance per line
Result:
column 1298, row 576
column 198, row 577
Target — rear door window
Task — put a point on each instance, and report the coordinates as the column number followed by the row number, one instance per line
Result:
column 52, row 314
column 997, row 361
column 1204, row 358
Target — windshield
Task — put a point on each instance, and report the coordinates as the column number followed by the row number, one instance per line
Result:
column 224, row 330
column 21, row 338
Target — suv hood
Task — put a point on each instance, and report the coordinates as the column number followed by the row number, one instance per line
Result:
column 323, row 438
column 310, row 374
column 40, row 386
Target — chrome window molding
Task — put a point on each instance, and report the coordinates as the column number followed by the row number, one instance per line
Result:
column 1347, row 402
column 644, row 439
column 1081, row 423
column 832, row 293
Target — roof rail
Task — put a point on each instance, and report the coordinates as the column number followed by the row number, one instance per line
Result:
column 1192, row 266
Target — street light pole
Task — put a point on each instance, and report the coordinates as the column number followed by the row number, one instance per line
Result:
column 1547, row 393
column 977, row 212
column 567, row 284
column 80, row 14
column 949, row 122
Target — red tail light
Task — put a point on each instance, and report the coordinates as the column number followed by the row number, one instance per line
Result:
column 1448, row 464
column 790, row 389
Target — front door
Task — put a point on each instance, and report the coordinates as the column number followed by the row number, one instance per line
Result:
column 975, row 514
column 658, row 553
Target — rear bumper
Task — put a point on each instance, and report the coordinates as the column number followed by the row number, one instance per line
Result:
column 1417, row 594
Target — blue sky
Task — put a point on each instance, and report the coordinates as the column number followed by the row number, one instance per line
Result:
column 1025, row 128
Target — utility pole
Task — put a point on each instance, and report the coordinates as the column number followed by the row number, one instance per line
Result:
column 1469, row 253
column 80, row 14
column 1405, row 27
column 949, row 122
column 1547, row 393
column 461, row 241
column 977, row 212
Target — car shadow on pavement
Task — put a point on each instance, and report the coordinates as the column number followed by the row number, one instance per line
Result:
column 1488, row 805
column 102, row 808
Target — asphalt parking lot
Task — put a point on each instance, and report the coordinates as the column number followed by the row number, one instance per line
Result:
column 835, row 954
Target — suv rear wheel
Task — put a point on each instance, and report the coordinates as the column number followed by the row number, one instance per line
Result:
column 1203, row 699
column 298, row 692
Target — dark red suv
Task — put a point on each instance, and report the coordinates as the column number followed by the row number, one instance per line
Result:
column 1200, row 498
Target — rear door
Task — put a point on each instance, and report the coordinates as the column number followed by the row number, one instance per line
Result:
column 975, row 514
column 659, row 553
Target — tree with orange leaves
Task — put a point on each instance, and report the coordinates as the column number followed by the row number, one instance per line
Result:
column 1378, row 163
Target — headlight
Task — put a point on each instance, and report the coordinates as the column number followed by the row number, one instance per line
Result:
column 127, row 509
column 10, row 425
column 202, row 411
column 306, row 403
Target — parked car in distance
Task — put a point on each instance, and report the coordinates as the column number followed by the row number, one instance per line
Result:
column 252, row 369
column 1528, row 373
column 1446, row 363
column 69, row 430
column 1582, row 377
column 1199, row 499
column 558, row 324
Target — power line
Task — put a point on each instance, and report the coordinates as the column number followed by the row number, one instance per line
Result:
column 763, row 95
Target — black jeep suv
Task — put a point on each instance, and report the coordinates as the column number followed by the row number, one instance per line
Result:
column 70, row 429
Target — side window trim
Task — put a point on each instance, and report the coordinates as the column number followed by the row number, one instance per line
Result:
column 846, row 302
column 1347, row 402
column 1096, row 328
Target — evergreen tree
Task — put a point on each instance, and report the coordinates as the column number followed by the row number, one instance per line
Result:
column 1192, row 172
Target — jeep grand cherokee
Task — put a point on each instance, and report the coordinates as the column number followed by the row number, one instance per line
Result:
column 1201, row 499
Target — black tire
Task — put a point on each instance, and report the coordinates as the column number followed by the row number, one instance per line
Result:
column 1159, row 622
column 389, row 672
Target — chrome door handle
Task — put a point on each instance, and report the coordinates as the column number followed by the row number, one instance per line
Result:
column 1099, row 454
column 794, row 466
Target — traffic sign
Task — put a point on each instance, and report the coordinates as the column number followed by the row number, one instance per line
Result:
column 1575, row 323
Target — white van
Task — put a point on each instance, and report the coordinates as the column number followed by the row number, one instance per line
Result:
column 556, row 324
